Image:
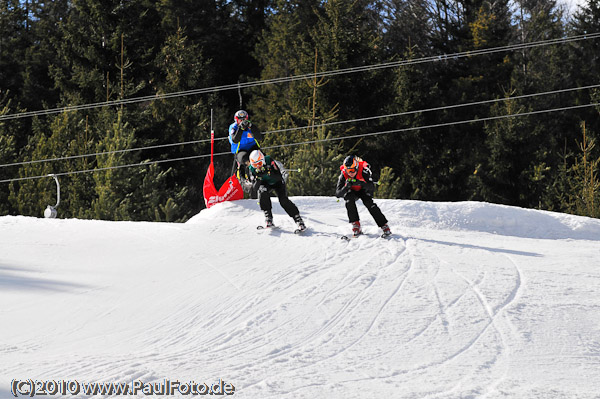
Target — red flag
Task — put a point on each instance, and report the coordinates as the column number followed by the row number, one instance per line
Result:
column 231, row 190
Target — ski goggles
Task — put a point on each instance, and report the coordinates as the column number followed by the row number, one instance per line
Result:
column 258, row 164
column 351, row 168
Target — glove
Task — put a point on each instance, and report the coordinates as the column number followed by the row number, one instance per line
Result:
column 245, row 124
column 355, row 182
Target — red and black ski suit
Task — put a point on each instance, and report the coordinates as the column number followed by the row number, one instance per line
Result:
column 360, row 186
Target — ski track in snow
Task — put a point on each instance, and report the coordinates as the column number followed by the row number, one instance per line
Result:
column 466, row 300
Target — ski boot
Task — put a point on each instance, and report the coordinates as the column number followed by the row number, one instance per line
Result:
column 269, row 220
column 246, row 185
column 356, row 230
column 300, row 224
column 386, row 231
column 245, row 179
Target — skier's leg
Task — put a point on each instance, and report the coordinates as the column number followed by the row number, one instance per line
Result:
column 353, row 217
column 373, row 208
column 243, row 156
column 264, row 200
column 290, row 208
column 350, row 199
column 242, row 159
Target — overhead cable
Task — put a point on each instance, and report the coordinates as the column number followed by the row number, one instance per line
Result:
column 157, row 146
column 147, row 163
column 285, row 79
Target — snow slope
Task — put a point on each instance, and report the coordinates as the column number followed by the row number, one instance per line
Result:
column 468, row 300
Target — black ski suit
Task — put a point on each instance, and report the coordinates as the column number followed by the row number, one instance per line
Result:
column 269, row 178
column 350, row 196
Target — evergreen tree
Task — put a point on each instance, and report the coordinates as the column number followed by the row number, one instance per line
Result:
column 44, row 18
column 114, row 186
column 182, row 119
column 319, row 167
column 275, row 107
column 7, row 152
column 388, row 185
column 90, row 45
column 585, row 59
column 513, row 171
column 407, row 24
column 311, row 37
column 346, row 35
column 584, row 195
column 408, row 152
column 13, row 42
column 65, row 137
column 459, row 148
column 544, row 69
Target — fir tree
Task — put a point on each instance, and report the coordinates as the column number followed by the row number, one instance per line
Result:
column 182, row 119
column 388, row 185
column 62, row 139
column 7, row 152
column 114, row 187
column 508, row 173
column 584, row 195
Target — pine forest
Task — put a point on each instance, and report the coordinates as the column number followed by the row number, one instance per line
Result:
column 448, row 100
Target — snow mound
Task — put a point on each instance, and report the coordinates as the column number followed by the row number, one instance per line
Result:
column 459, row 216
column 466, row 300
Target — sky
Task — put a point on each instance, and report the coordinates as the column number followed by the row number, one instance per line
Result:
column 573, row 4
column 466, row 300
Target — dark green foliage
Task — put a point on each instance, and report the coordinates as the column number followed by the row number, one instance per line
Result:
column 388, row 185
column 73, row 52
column 582, row 183
column 7, row 151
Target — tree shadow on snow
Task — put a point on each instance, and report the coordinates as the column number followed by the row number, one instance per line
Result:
column 19, row 278
column 457, row 244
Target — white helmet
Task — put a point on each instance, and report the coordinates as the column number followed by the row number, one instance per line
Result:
column 257, row 159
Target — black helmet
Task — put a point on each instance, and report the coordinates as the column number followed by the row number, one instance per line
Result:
column 351, row 164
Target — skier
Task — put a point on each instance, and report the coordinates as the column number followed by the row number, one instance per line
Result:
column 243, row 137
column 356, row 182
column 267, row 176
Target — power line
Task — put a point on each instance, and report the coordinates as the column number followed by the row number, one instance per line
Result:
column 286, row 79
column 315, row 141
column 71, row 157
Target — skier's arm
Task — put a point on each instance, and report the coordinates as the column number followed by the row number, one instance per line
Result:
column 275, row 172
column 258, row 136
column 236, row 133
column 368, row 184
column 341, row 188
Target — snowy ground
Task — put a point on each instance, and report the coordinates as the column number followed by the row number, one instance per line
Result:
column 468, row 300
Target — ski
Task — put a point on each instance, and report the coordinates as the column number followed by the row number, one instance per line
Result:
column 348, row 238
column 296, row 231
column 260, row 227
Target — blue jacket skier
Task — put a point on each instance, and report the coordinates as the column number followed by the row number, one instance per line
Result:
column 243, row 137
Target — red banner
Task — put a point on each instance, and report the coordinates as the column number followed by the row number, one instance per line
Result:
column 231, row 190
